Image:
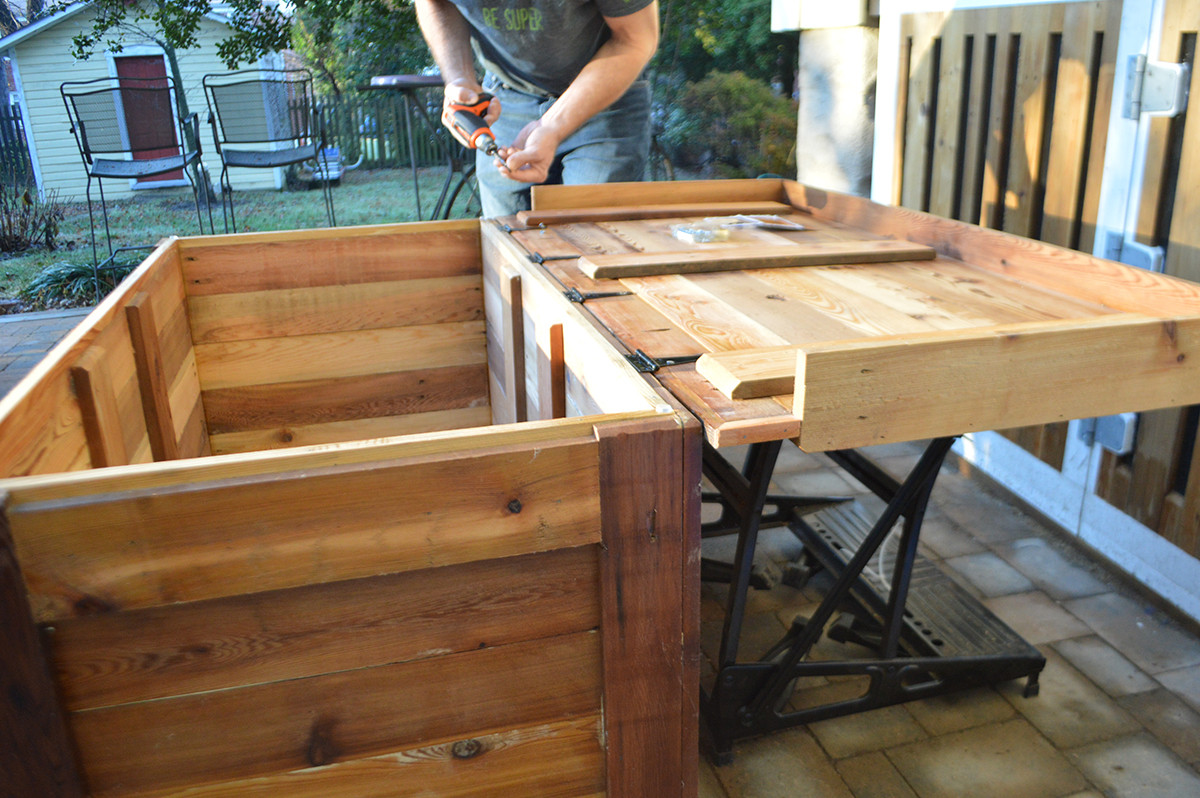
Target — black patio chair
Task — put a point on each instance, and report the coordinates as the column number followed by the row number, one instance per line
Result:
column 269, row 117
column 130, row 129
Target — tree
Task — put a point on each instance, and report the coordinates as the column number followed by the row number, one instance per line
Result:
column 363, row 39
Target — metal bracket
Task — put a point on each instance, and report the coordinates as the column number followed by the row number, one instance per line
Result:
column 648, row 365
column 539, row 258
column 1157, row 88
column 1133, row 253
column 578, row 297
column 1114, row 433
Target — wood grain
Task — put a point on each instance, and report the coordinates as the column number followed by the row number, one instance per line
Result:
column 821, row 253
column 145, row 548
column 862, row 392
column 606, row 213
column 510, row 762
column 334, row 355
column 310, row 402
column 335, row 308
column 345, row 256
column 361, row 429
column 99, row 408
column 641, row 467
column 125, row 657
column 152, row 377
column 626, row 194
column 36, row 754
column 321, row 720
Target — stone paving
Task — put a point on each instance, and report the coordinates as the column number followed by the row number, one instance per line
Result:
column 26, row 337
column 1118, row 714
column 1119, row 710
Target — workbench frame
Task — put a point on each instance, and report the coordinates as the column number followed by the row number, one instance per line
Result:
column 748, row 698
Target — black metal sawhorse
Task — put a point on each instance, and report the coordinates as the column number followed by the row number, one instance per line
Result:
column 928, row 635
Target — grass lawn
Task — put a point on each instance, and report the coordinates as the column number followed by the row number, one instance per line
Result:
column 364, row 197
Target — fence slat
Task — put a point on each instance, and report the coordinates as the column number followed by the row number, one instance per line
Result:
column 373, row 127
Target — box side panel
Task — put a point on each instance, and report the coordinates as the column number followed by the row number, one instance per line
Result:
column 86, row 404
column 387, row 625
column 370, row 332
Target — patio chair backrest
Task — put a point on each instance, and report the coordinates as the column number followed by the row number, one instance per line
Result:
column 262, row 105
column 98, row 113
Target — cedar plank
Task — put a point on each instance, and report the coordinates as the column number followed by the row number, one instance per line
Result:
column 152, row 379
column 510, row 762
column 98, row 405
column 1114, row 285
column 859, row 393
column 234, row 265
column 232, row 364
column 321, row 720
column 762, row 256
column 643, row 210
column 356, row 430
column 335, row 308
column 125, row 657
column 145, row 548
column 36, row 753
column 585, row 196
column 645, row 508
column 368, row 396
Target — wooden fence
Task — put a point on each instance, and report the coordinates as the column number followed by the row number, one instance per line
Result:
column 376, row 127
column 1004, row 120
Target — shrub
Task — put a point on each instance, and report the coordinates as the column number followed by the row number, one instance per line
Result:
column 733, row 125
column 27, row 220
column 63, row 285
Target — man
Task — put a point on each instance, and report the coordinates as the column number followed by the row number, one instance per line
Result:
column 569, row 105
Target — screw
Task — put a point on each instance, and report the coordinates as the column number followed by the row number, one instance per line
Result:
column 514, row 506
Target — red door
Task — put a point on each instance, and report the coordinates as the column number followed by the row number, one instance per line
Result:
column 149, row 115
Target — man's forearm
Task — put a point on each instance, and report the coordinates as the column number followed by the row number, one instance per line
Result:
column 449, row 40
column 610, row 73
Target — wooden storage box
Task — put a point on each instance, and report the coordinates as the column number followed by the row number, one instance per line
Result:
column 343, row 512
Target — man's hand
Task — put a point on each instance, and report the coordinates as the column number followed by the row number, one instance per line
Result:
column 529, row 158
column 465, row 91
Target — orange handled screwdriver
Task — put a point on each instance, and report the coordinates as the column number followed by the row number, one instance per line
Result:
column 468, row 123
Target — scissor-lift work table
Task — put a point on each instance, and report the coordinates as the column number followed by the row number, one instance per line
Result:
column 870, row 325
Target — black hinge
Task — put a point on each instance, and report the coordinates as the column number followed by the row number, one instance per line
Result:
column 539, row 258
column 648, row 365
column 578, row 297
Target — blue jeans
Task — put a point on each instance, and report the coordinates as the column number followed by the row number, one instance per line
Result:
column 611, row 147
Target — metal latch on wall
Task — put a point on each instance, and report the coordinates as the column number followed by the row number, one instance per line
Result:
column 1115, row 433
column 1157, row 88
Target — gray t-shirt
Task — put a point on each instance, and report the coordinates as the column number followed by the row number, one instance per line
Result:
column 540, row 45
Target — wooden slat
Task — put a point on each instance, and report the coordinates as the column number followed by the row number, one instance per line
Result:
column 646, row 211
column 858, row 393
column 321, row 720
column 342, row 256
column 124, row 657
column 920, row 111
column 947, row 159
column 357, row 430
column 145, row 548
column 98, row 404
column 1023, row 194
column 322, row 401
column 503, row 301
column 695, row 260
column 1053, row 268
column 751, row 373
column 36, row 753
column 641, row 468
column 556, row 373
column 335, row 308
column 152, row 377
column 334, row 355
column 511, row 762
column 630, row 194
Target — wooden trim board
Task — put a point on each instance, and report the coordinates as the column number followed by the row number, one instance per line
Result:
column 762, row 256
column 618, row 213
column 860, row 393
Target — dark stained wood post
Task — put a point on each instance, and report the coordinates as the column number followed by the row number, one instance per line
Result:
column 648, row 628
column 36, row 755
